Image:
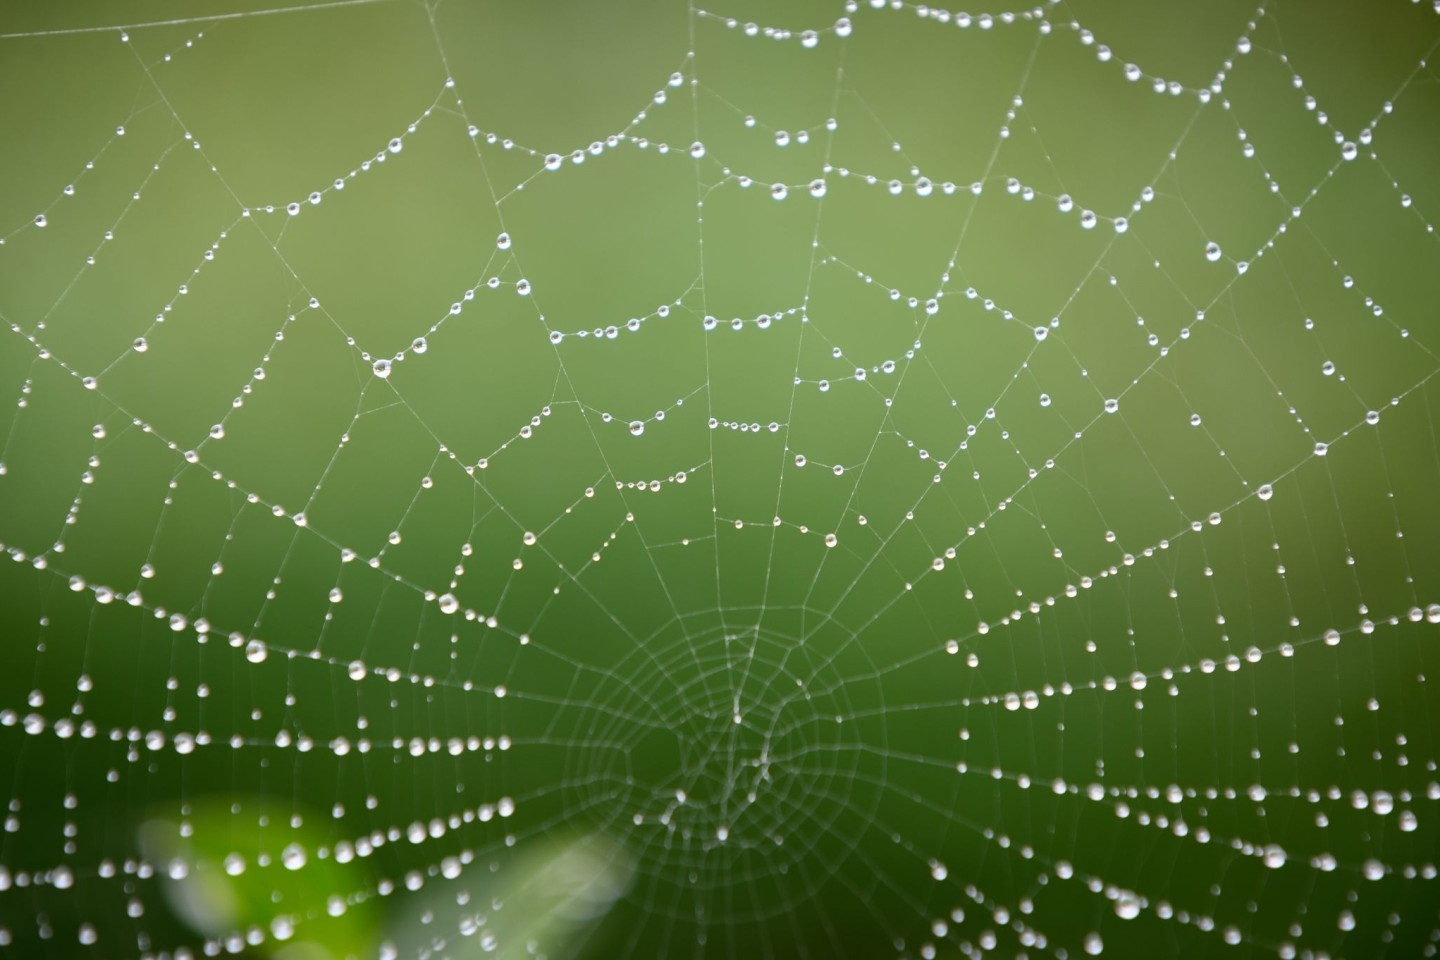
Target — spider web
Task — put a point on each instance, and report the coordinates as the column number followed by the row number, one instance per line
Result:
column 764, row 480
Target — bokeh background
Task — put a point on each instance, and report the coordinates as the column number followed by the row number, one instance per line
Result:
column 583, row 479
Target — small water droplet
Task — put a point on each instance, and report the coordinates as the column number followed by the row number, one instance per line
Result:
column 293, row 857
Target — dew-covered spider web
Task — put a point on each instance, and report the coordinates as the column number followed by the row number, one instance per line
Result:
column 765, row 480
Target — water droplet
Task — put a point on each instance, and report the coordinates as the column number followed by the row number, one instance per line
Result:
column 1212, row 251
column 1327, row 368
column 1274, row 856
column 217, row 431
column 503, row 241
column 381, row 368
column 938, row 870
column 1127, row 905
column 1112, row 405
column 40, row 220
column 1265, row 491
column 779, row 191
column 637, row 427
column 356, row 670
column 522, row 287
column 809, row 39
column 448, row 603
column 831, row 540
column 552, row 161
column 817, row 187
column 1348, row 150
column 1094, row 946
column 256, row 651
column 420, row 345
column 697, row 149
column 293, row 857
column 396, row 145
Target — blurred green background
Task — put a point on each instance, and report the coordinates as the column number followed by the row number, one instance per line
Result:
column 586, row 479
